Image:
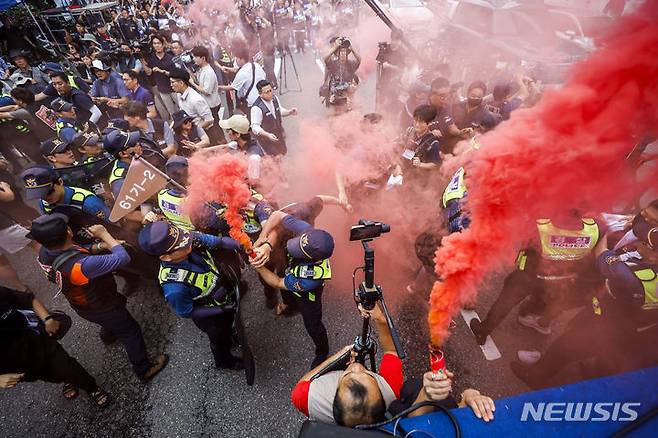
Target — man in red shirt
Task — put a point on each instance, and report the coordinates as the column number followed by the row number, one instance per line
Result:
column 356, row 395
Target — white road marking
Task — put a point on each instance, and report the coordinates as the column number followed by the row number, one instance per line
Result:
column 489, row 348
column 320, row 65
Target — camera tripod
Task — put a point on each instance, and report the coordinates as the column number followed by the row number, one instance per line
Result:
column 285, row 54
column 367, row 295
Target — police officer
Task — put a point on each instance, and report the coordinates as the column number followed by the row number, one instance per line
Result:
column 453, row 197
column 193, row 284
column 58, row 153
column 83, row 207
column 620, row 326
column 171, row 199
column 67, row 124
column 306, row 272
column 560, row 261
column 122, row 145
column 87, row 283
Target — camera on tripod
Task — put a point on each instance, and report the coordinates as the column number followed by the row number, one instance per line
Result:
column 367, row 295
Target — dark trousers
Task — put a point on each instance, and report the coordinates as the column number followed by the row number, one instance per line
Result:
column 43, row 358
column 119, row 322
column 268, row 66
column 218, row 329
column 312, row 316
column 215, row 133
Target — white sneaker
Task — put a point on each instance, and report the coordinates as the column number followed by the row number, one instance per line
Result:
column 532, row 321
column 528, row 356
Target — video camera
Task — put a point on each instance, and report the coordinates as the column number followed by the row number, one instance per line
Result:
column 344, row 42
column 185, row 61
column 143, row 46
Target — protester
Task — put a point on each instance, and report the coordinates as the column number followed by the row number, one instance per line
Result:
column 137, row 93
column 32, row 351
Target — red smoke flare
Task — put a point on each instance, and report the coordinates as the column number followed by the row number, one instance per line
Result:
column 221, row 178
column 565, row 153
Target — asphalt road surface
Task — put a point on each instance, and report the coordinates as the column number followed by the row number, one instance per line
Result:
column 190, row 398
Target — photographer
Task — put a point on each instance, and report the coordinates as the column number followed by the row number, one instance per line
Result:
column 356, row 395
column 340, row 78
column 128, row 61
column 244, row 83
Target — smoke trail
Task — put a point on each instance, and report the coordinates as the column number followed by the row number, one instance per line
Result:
column 221, row 178
column 567, row 152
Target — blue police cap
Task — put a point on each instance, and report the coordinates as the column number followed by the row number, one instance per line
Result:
column 117, row 141
column 38, row 181
column 115, row 124
column 312, row 245
column 54, row 146
column 161, row 238
column 49, row 228
column 58, row 105
column 52, row 66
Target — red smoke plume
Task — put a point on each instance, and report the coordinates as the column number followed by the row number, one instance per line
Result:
column 221, row 178
column 565, row 153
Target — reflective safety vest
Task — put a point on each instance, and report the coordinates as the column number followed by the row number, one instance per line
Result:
column 60, row 124
column 204, row 282
column 251, row 224
column 562, row 245
column 170, row 205
column 77, row 199
column 649, row 281
column 72, row 82
column 311, row 271
column 117, row 172
column 456, row 189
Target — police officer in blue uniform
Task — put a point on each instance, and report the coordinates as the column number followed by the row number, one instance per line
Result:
column 307, row 270
column 620, row 327
column 192, row 283
column 122, row 145
column 67, row 124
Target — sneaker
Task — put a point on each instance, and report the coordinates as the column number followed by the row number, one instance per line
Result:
column 159, row 364
column 233, row 364
column 528, row 356
column 478, row 330
column 532, row 321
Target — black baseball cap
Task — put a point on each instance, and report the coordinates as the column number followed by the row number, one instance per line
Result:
column 38, row 181
column 161, row 238
column 49, row 228
column 54, row 146
column 313, row 245
column 117, row 141
column 59, row 105
column 179, row 118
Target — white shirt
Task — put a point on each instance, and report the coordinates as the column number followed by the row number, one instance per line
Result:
column 257, row 114
column 242, row 81
column 195, row 106
column 207, row 79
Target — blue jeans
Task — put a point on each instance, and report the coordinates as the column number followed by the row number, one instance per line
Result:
column 119, row 322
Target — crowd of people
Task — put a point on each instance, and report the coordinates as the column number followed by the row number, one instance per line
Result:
column 147, row 82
